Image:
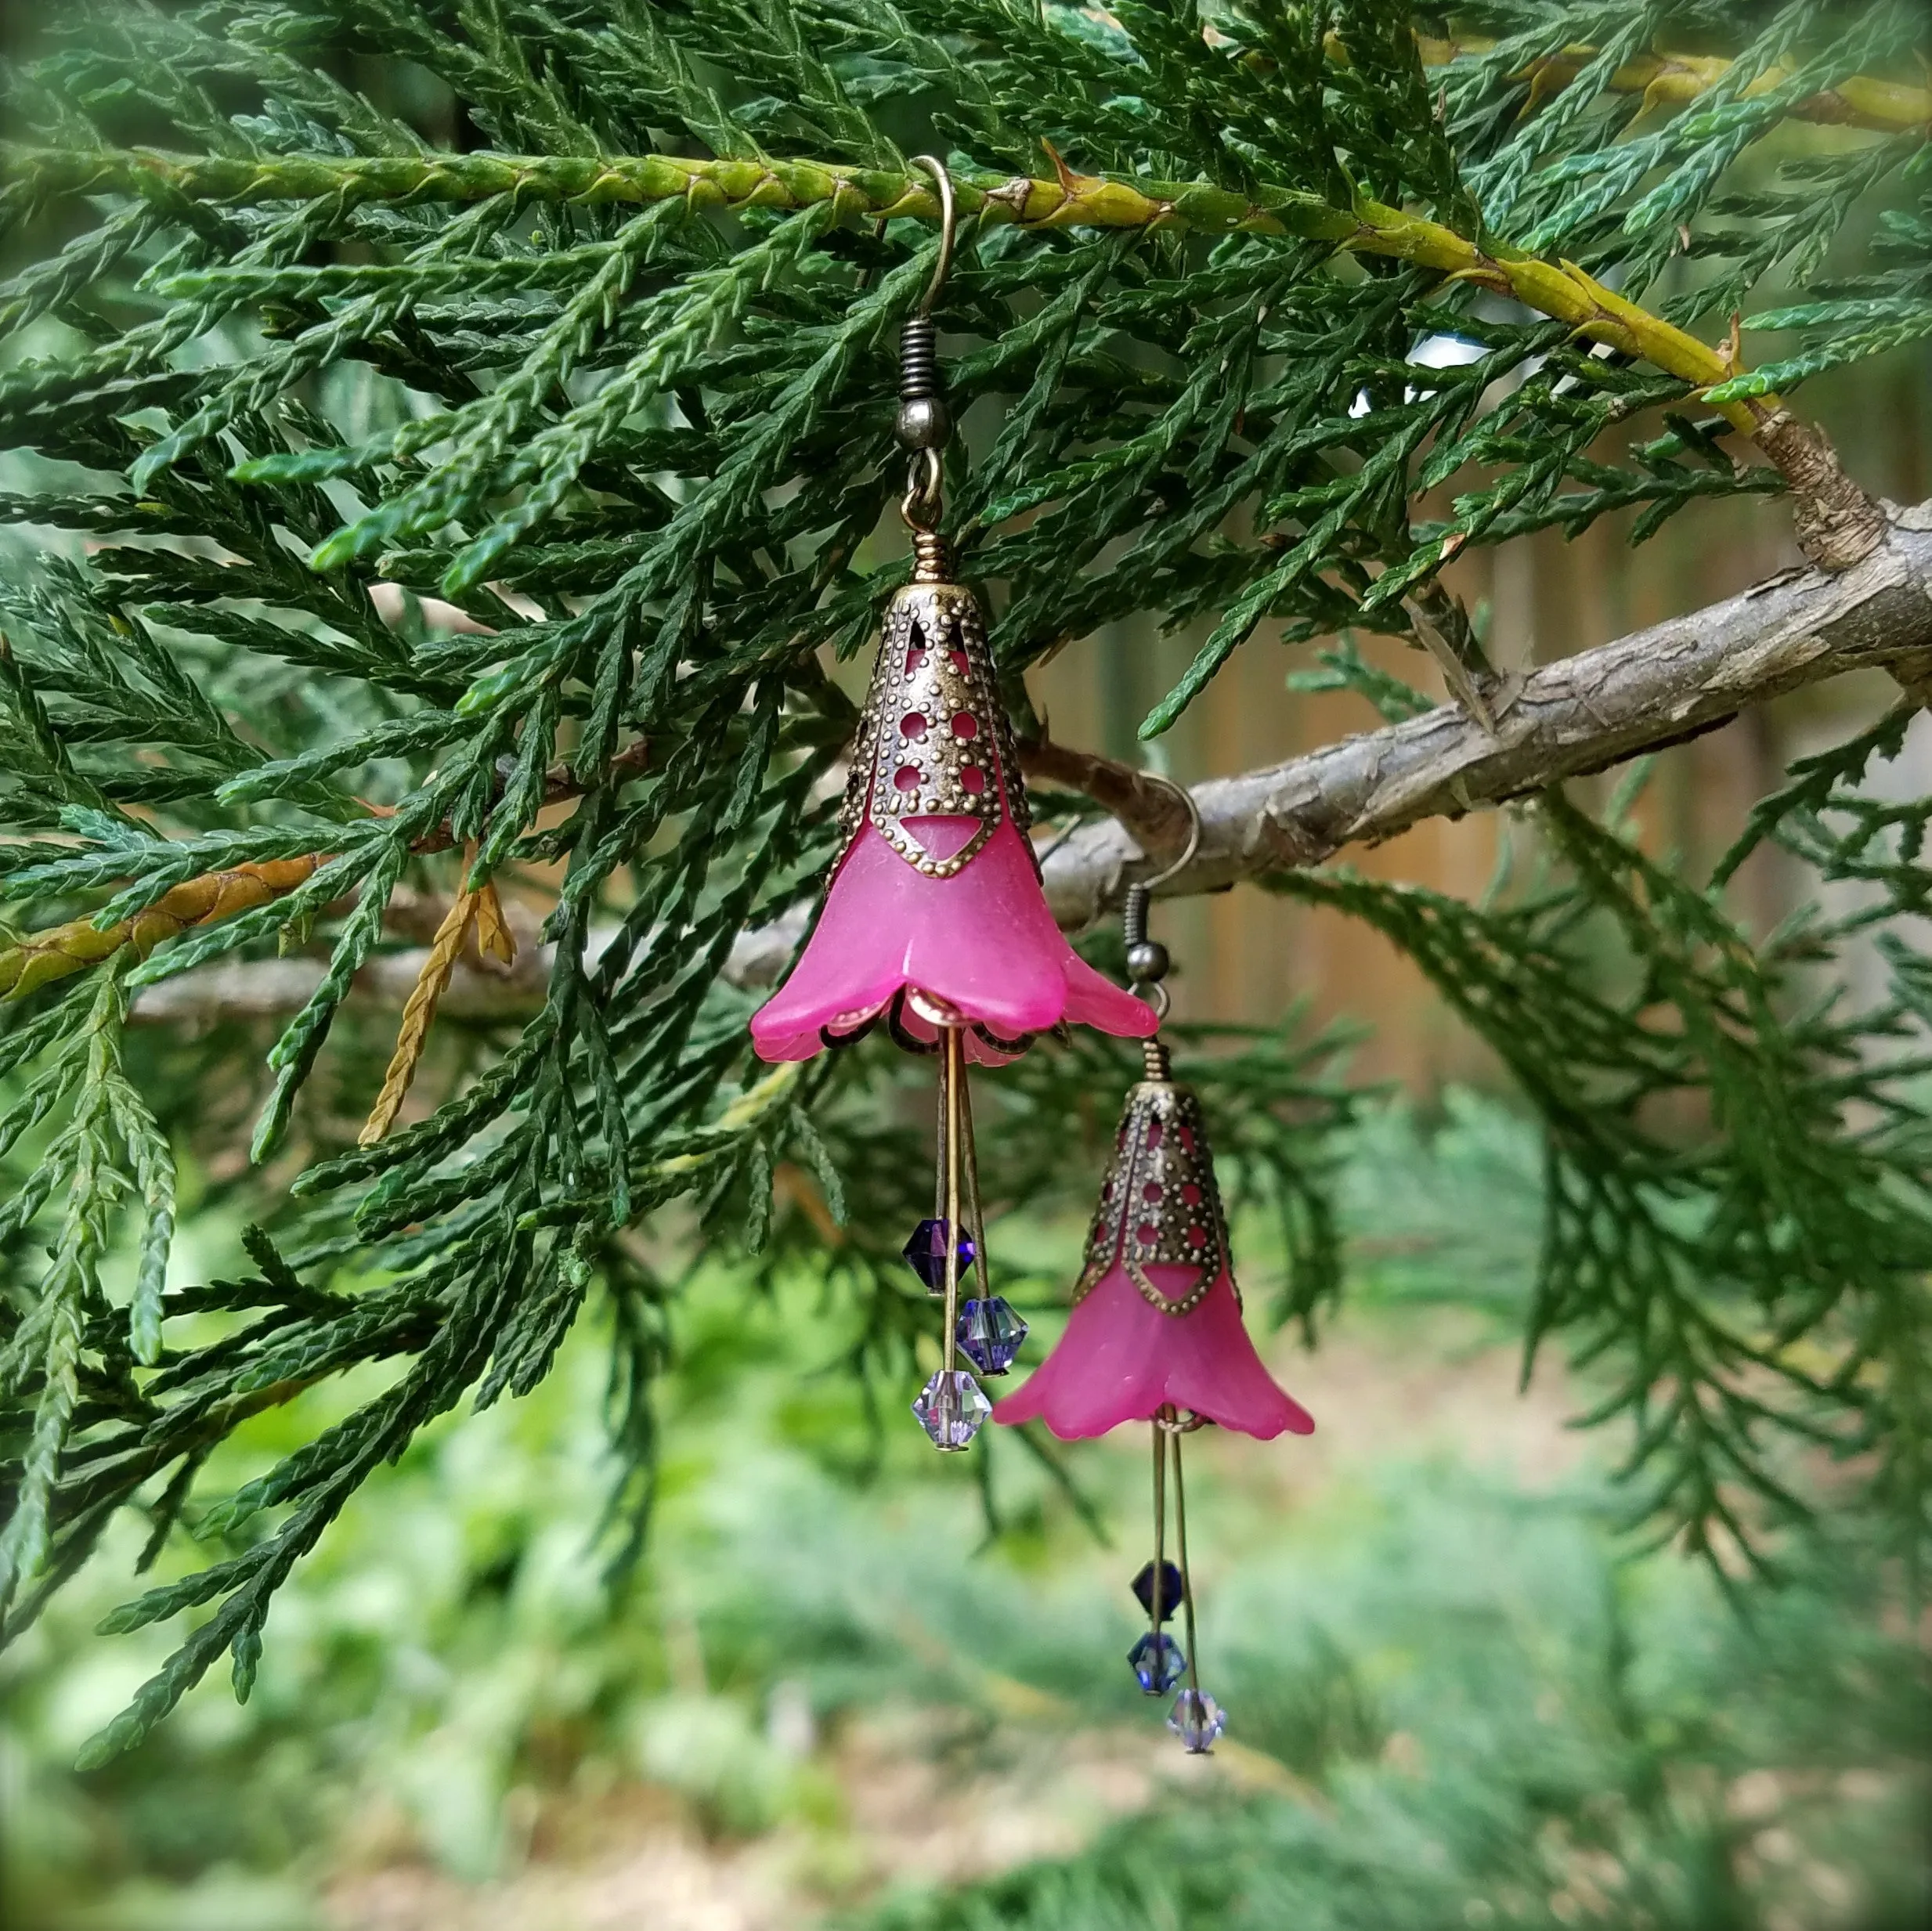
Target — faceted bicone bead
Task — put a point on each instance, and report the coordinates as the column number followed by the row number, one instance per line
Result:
column 950, row 1408
column 925, row 1253
column 1171, row 1590
column 1196, row 1719
column 1156, row 1662
column 990, row 1333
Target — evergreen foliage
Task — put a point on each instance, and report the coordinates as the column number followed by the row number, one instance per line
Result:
column 591, row 342
column 1449, row 1686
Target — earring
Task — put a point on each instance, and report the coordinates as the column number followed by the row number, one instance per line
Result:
column 1156, row 1333
column 934, row 919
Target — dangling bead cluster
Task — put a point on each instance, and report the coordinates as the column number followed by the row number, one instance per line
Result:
column 951, row 1407
column 1165, row 1589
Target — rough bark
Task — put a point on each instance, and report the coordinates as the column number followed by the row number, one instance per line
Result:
column 1835, row 522
column 1598, row 709
column 1586, row 714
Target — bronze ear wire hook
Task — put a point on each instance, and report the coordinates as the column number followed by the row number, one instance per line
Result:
column 1147, row 958
column 924, row 425
column 949, row 228
column 1186, row 799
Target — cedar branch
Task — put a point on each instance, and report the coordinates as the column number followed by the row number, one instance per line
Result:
column 1836, row 522
column 1587, row 713
column 58, row 952
column 1676, row 80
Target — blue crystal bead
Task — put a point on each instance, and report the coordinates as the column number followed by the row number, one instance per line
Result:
column 1171, row 1589
column 1156, row 1662
column 950, row 1408
column 925, row 1253
column 990, row 1333
column 1196, row 1719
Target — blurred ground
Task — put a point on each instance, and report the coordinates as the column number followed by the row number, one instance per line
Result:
column 1047, row 1778
column 834, row 1696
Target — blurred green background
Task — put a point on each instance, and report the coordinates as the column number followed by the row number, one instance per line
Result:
column 853, row 1684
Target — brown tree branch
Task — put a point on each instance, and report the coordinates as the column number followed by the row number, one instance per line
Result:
column 1598, row 708
column 1149, row 810
column 60, row 952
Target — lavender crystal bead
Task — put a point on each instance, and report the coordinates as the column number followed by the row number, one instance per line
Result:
column 990, row 1333
column 1196, row 1719
column 950, row 1408
column 1156, row 1662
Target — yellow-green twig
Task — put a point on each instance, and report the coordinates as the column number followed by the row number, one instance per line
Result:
column 1844, row 527
column 1676, row 80
column 42, row 957
column 1069, row 200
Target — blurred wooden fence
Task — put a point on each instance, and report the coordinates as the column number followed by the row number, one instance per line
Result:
column 1245, row 955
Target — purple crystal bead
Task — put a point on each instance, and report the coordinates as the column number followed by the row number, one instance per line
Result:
column 1196, row 1719
column 1156, row 1662
column 950, row 1408
column 990, row 1333
column 1172, row 1588
column 925, row 1253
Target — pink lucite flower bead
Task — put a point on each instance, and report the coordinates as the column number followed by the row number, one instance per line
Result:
column 1121, row 1360
column 1156, row 1321
column 937, row 896
column 981, row 942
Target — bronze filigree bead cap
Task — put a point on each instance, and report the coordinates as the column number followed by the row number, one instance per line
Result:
column 934, row 741
column 1159, row 1205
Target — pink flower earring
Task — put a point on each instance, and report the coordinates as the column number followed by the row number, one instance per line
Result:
column 1156, row 1333
column 934, row 920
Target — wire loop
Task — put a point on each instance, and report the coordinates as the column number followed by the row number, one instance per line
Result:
column 920, row 505
column 1188, row 804
column 1146, row 962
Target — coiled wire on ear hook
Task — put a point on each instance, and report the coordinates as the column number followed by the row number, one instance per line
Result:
column 1147, row 960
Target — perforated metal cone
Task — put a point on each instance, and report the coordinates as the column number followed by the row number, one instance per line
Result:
column 934, row 740
column 1159, row 1205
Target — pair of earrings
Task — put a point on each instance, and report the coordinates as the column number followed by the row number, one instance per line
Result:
column 935, row 924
